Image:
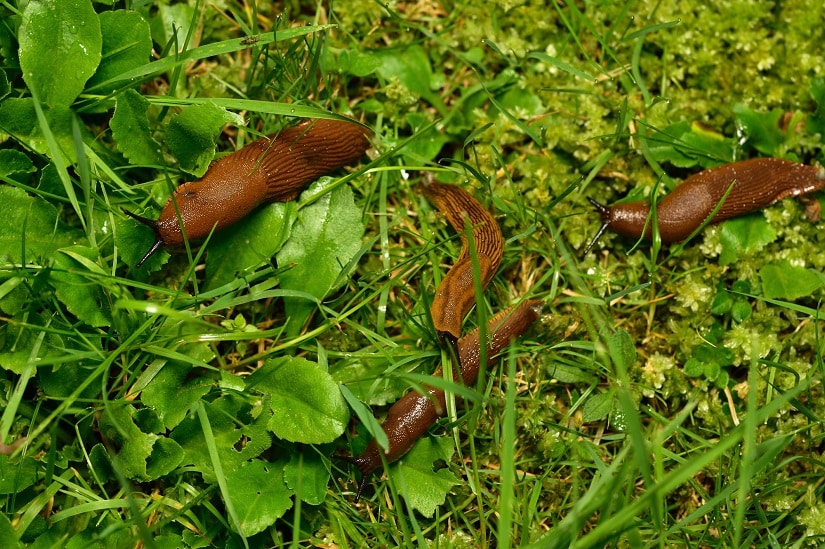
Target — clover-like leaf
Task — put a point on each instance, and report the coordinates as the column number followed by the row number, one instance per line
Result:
column 307, row 405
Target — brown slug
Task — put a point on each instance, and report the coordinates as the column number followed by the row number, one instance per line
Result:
column 757, row 183
column 455, row 296
column 410, row 417
column 272, row 169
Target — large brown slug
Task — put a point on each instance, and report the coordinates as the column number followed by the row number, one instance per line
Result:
column 757, row 183
column 455, row 295
column 272, row 169
column 410, row 417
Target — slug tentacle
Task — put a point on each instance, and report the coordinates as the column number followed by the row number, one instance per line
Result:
column 753, row 184
column 272, row 169
column 157, row 245
column 604, row 211
column 410, row 417
column 455, row 295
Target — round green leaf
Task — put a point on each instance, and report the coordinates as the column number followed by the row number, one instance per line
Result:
column 60, row 44
column 307, row 404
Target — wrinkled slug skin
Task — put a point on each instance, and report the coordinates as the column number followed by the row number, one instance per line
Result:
column 410, row 417
column 758, row 182
column 455, row 295
column 272, row 169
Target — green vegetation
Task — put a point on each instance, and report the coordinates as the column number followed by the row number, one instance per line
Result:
column 670, row 396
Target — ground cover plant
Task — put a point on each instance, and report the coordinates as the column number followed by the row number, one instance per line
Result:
column 669, row 395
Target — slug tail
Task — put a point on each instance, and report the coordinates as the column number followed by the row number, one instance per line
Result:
column 605, row 213
column 157, row 245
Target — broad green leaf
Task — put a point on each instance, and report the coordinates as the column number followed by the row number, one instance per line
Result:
column 598, row 406
column 8, row 533
column 721, row 303
column 174, row 390
column 17, row 475
column 741, row 311
column 744, row 236
column 31, row 223
column 762, row 128
column 716, row 354
column 567, row 373
column 5, row 86
column 19, row 336
column 412, row 68
column 19, row 118
column 130, row 130
column 165, row 457
column 815, row 122
column 251, row 242
column 127, row 45
column 307, row 404
column 13, row 161
column 326, row 237
column 307, row 474
column 192, row 135
column 240, row 435
column 60, row 44
column 686, row 145
column 171, row 23
column 259, row 495
column 622, row 350
column 83, row 296
column 62, row 380
column 140, row 456
column 423, row 488
column 427, row 144
column 355, row 62
column 785, row 281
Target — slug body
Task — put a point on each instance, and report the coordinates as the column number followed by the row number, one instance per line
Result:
column 757, row 183
column 272, row 169
column 410, row 417
column 455, row 295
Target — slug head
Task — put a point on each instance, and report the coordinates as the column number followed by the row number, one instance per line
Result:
column 366, row 463
column 157, row 245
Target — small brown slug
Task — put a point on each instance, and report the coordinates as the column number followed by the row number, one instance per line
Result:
column 757, row 183
column 272, row 169
column 410, row 417
column 455, row 295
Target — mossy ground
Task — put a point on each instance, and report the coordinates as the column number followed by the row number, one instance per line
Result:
column 651, row 405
